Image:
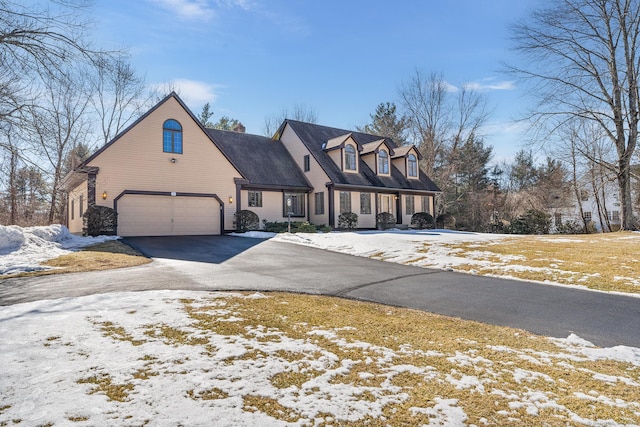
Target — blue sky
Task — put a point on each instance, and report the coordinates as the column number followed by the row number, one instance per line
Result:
column 253, row 58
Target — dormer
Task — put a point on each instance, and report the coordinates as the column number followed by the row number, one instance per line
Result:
column 406, row 159
column 343, row 150
column 377, row 155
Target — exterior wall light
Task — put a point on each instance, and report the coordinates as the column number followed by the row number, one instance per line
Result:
column 173, row 160
column 230, row 200
column 104, row 195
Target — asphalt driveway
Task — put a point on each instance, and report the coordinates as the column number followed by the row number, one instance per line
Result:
column 234, row 263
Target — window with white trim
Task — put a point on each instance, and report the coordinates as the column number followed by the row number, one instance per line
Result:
column 410, row 206
column 294, row 203
column 412, row 166
column 383, row 162
column 350, row 157
column 345, row 201
column 319, row 199
column 255, row 199
column 365, row 203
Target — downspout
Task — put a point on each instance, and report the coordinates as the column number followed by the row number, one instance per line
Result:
column 399, row 208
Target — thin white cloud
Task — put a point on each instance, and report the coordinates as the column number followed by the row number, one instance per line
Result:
column 192, row 92
column 192, row 10
column 242, row 4
column 482, row 86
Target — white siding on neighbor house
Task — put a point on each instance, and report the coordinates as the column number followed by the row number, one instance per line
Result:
column 316, row 176
column 77, row 197
column 136, row 161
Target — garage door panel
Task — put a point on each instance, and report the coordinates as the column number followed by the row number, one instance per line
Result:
column 149, row 215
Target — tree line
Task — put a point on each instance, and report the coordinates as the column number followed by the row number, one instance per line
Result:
column 61, row 98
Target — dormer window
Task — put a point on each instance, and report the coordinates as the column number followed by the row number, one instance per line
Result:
column 383, row 162
column 412, row 166
column 350, row 157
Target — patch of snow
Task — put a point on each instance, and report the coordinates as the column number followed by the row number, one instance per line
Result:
column 444, row 413
column 23, row 249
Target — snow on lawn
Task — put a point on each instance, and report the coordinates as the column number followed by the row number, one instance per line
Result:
column 135, row 358
column 23, row 249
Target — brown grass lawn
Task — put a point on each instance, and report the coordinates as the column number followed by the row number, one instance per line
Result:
column 404, row 361
column 608, row 262
column 102, row 256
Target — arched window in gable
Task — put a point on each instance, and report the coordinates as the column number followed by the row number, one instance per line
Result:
column 350, row 157
column 412, row 165
column 383, row 162
column 172, row 137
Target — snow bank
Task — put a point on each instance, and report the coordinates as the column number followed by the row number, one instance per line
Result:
column 23, row 249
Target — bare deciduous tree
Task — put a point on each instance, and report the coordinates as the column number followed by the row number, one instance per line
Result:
column 118, row 96
column 299, row 112
column 56, row 126
column 581, row 58
column 424, row 100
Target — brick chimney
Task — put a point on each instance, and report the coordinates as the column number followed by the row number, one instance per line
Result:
column 239, row 128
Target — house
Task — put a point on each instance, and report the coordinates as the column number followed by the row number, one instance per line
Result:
column 166, row 174
column 596, row 201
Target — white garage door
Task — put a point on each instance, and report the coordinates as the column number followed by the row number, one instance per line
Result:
column 146, row 215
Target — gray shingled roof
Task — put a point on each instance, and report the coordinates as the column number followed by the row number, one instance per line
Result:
column 314, row 136
column 261, row 160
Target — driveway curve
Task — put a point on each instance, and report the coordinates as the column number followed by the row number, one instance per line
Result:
column 211, row 263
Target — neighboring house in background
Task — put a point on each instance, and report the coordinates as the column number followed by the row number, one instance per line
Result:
column 600, row 202
column 166, row 174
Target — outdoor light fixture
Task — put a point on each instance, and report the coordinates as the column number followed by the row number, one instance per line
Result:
column 173, row 160
column 104, row 195
column 230, row 199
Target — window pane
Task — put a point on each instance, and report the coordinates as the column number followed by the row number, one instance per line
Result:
column 383, row 162
column 345, row 201
column 307, row 163
column 410, row 205
column 172, row 124
column 365, row 203
column 350, row 157
column 255, row 199
column 413, row 165
column 172, row 137
column 319, row 203
column 425, row 204
column 177, row 142
column 167, row 142
column 297, row 207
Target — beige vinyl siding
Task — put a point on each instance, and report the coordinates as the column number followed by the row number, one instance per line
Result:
column 136, row 162
column 272, row 206
column 401, row 164
column 370, row 160
column 75, row 196
column 316, row 176
column 364, row 220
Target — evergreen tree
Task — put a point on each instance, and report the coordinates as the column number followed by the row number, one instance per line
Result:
column 385, row 122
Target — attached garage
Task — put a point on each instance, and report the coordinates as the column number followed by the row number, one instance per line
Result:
column 164, row 214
